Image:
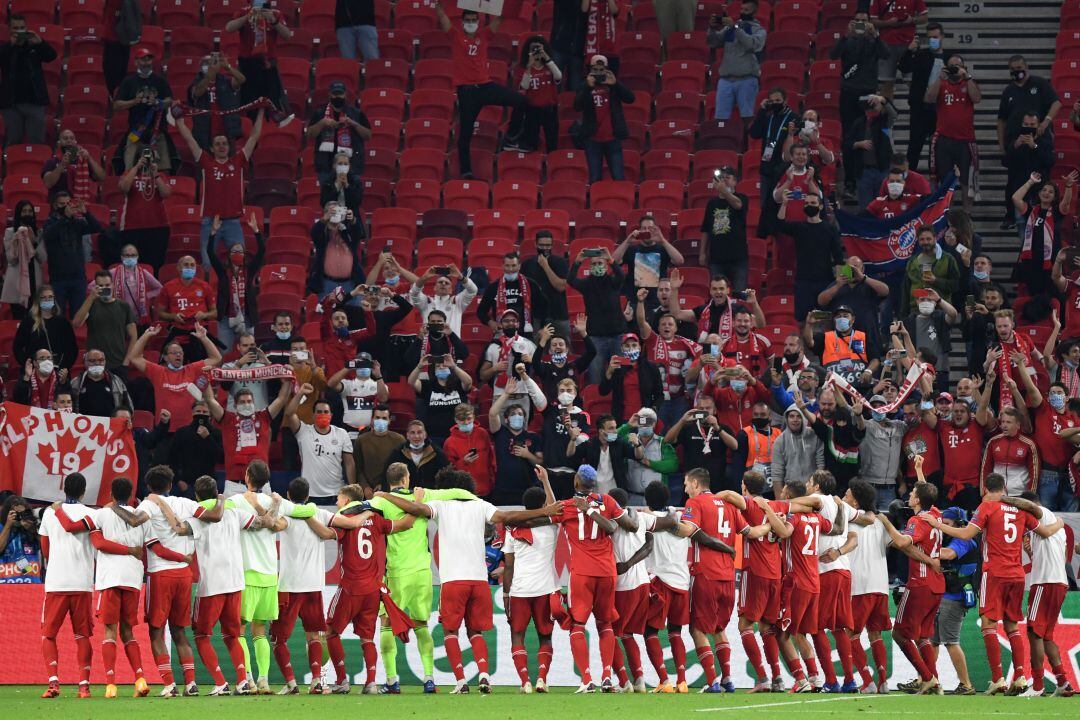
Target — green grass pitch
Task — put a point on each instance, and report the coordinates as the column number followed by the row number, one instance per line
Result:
column 23, row 702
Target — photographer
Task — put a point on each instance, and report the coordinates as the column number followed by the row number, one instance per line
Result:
column 956, row 94
column 742, row 40
column 65, row 244
column 361, row 394
column 868, row 141
column 517, row 450
column 344, row 187
column 110, row 323
column 437, row 397
column 143, row 222
column 259, row 28
column 215, row 88
column 923, row 63
column 540, row 84
column 959, row 564
column 820, row 154
column 24, row 94
column 1027, row 153
column 20, row 550
column 336, row 240
column 603, row 125
column 859, row 52
column 723, row 249
column 195, row 449
column 644, row 387
column 146, row 96
column 24, row 253
column 71, row 168
column 647, row 255
column 452, row 306
column 770, row 126
column 897, row 21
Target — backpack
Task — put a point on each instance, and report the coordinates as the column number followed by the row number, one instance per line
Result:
column 129, row 23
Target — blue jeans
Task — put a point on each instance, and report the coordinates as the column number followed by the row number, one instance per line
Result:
column 362, row 37
column 869, row 184
column 734, row 270
column 572, row 67
column 606, row 346
column 231, row 232
column 595, row 152
column 671, row 411
column 1055, row 493
column 731, row 92
column 885, row 495
column 69, row 293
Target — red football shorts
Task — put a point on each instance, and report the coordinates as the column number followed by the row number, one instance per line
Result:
column 306, row 605
column 759, row 598
column 834, row 601
column 168, row 598
column 870, row 612
column 536, row 608
column 799, row 611
column 667, row 606
column 1044, row 606
column 1001, row 598
column 223, row 608
column 711, row 603
column 360, row 610
column 917, row 611
column 592, row 595
column 119, row 605
column 468, row 601
column 59, row 605
column 633, row 609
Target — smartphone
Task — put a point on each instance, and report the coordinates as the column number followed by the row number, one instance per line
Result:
column 969, row 302
column 431, row 359
column 300, row 355
column 592, row 252
column 846, row 272
column 820, row 314
column 742, row 295
column 700, row 415
column 858, row 26
column 442, row 270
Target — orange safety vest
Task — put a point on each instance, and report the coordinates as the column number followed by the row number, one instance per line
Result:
column 838, row 349
column 759, row 445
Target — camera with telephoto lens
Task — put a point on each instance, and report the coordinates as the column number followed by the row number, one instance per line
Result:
column 899, row 514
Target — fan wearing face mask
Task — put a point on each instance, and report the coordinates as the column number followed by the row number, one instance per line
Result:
column 326, row 459
column 338, row 129
column 146, row 96
column 245, row 431
column 895, row 201
column 40, row 381
column 843, row 350
column 216, row 87
column 631, row 379
column 97, row 391
column 929, row 327
column 359, row 394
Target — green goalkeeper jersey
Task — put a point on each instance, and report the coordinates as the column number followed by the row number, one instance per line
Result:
column 407, row 552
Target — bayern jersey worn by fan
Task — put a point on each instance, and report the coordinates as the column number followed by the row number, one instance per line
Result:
column 221, row 561
column 668, row 559
column 534, row 561
column 71, row 556
column 1003, row 527
column 723, row 521
column 120, row 570
column 801, row 550
column 927, row 539
column 184, row 509
column 362, row 552
column 627, row 543
column 302, row 567
column 591, row 550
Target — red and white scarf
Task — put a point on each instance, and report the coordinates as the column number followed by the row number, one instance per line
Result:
column 342, row 139
column 911, row 380
column 79, row 179
column 731, row 347
column 42, row 392
column 137, row 294
column 260, row 32
column 237, row 289
column 250, row 374
column 1047, row 215
column 500, row 298
column 723, row 328
column 1070, row 378
column 599, row 26
column 505, row 350
column 1019, row 344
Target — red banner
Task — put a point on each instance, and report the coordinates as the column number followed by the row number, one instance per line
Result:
column 38, row 448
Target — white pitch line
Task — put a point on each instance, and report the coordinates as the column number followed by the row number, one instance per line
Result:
column 793, row 702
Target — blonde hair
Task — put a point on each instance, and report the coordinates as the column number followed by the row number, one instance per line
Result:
column 35, row 308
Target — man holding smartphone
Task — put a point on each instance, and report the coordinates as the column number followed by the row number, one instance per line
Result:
column 24, row 98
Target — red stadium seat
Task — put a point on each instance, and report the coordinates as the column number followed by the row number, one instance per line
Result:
column 437, row 104
column 556, row 221
column 660, row 195
column 427, row 133
column 520, row 166
column 567, row 166
column 497, row 223
column 396, row 44
column 514, row 196
column 678, row 106
column 178, row 13
column 81, row 13
column 435, row 45
column 643, row 18
column 318, row 15
column 416, row 194
column 706, row 162
column 444, row 222
column 683, row 76
column 598, row 223
column 836, row 14
column 218, row 12
column 467, row 195
column 386, row 73
column 720, row 134
column 687, row 46
column 422, row 163
column 395, row 222
column 85, row 70
column 485, row 251
column 673, row 165
column 383, row 103
column 87, row 100
column 330, row 70
column 433, row 75
column 564, row 195
column 439, row 251
column 416, row 17
column 825, row 40
column 825, row 76
column 614, row 195
column 35, row 11
column 796, row 15
column 377, row 194
column 639, row 46
column 672, row 135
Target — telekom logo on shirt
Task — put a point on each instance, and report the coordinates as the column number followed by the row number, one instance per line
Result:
column 224, row 171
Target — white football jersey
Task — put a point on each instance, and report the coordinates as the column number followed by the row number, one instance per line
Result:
column 627, row 543
column 71, row 556
column 462, row 552
column 259, row 546
column 221, row 561
column 869, row 569
column 668, row 559
column 534, row 564
column 302, row 567
column 184, row 509
column 1048, row 554
column 830, row 506
column 119, row 570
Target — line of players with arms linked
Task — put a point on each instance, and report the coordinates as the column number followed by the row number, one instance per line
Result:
column 813, row 565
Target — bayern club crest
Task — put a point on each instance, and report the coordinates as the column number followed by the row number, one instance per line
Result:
column 902, row 239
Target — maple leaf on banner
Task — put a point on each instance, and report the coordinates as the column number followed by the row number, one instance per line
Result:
column 62, row 455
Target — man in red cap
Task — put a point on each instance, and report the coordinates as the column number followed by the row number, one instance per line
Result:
column 632, row 381
column 146, row 96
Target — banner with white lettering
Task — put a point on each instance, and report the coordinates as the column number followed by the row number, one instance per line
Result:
column 38, row 448
column 488, row 7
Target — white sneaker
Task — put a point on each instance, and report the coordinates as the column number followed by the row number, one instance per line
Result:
column 169, row 691
column 263, row 687
column 526, row 688
column 802, row 686
column 996, row 688
column 1032, row 692
column 583, row 688
column 628, row 687
column 869, row 689
column 370, row 689
column 192, row 690
column 462, row 688
column 1019, row 686
column 541, row 686
column 289, row 688
column 340, row 688
column 245, row 688
column 815, row 681
column 220, row 690
column 639, row 685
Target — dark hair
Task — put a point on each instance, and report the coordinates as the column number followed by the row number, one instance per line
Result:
column 440, row 313
column 717, row 277
column 513, row 254
column 754, row 482
column 603, row 419
column 864, row 493
column 257, row 473
column 103, row 273
column 934, row 26
column 1017, row 58
column 74, row 486
column 926, row 493
column 700, row 476
column 298, row 490
column 544, row 234
column 657, row 495
column 527, row 45
column 205, row 488
column 926, row 229
column 825, row 481
column 533, row 498
column 282, row 313
column 928, row 355
column 11, row 18
column 796, row 488
column 159, row 478
column 16, row 217
column 121, row 489
column 779, row 90
column 620, row 496
column 1029, row 496
column 898, row 159
column 380, row 406
column 315, row 407
column 451, row 477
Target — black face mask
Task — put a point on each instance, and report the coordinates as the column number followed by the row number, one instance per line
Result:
column 811, row 210
column 1018, row 75
column 337, row 102
column 510, row 332
column 435, row 330
column 747, row 17
column 791, row 358
column 543, row 251
column 760, row 424
column 776, row 107
column 1027, row 131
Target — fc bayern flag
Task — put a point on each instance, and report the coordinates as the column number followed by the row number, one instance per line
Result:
column 885, row 246
column 38, row 448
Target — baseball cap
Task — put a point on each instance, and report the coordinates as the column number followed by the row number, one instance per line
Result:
column 843, row 309
column 510, row 311
column 956, row 514
column 944, row 396
column 365, row 360
column 598, row 59
column 878, row 399
column 144, row 52
column 647, row 416
column 337, row 87
column 627, row 337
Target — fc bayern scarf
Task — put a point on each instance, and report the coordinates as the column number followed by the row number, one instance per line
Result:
column 500, row 298
column 138, row 294
column 342, row 142
column 1019, row 344
column 263, row 372
column 42, row 392
column 724, row 326
column 1047, row 216
column 914, row 374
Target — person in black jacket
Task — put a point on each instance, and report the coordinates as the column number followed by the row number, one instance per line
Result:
column 606, row 441
column 631, row 379
column 858, row 51
column 338, row 128
column 923, row 64
column 1026, row 153
column 423, row 459
column 64, row 244
column 868, row 141
column 436, row 338
column 603, row 125
column 44, row 326
column 234, row 320
column 600, row 290
column 567, row 41
column 337, row 227
column 343, row 186
column 770, row 126
column 23, row 93
column 559, row 366
column 195, row 450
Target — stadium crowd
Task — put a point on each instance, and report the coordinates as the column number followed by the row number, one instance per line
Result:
column 579, row 379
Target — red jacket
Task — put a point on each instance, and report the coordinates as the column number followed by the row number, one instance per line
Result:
column 483, row 467
column 1012, row 456
column 338, row 351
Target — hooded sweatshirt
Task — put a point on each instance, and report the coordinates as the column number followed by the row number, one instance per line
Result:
column 458, row 445
column 796, row 456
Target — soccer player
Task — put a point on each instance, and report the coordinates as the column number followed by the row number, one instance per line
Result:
column 706, row 519
column 464, row 596
column 221, row 577
column 1001, row 593
column 69, row 582
column 119, row 581
column 917, row 610
column 361, row 537
column 408, row 577
column 168, row 583
column 530, row 586
column 759, row 588
column 301, row 576
column 670, row 587
column 1049, row 583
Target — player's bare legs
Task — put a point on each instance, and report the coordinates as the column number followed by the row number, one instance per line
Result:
column 959, row 662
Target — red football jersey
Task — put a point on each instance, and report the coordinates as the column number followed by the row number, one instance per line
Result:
column 1072, row 308
column 542, row 90
column 721, row 520
column 928, row 539
column 763, row 555
column 1003, row 528
column 955, row 112
column 961, row 451
column 591, row 551
column 469, row 56
column 186, row 300
column 223, row 185
column 1048, row 425
column 143, row 206
column 885, row 207
column 801, row 550
column 362, row 554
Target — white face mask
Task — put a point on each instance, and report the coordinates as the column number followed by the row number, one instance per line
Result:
column 46, row 367
column 809, row 126
column 95, row 371
column 245, row 409
column 566, row 398
column 471, row 27
column 895, row 189
column 342, row 169
column 926, row 307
